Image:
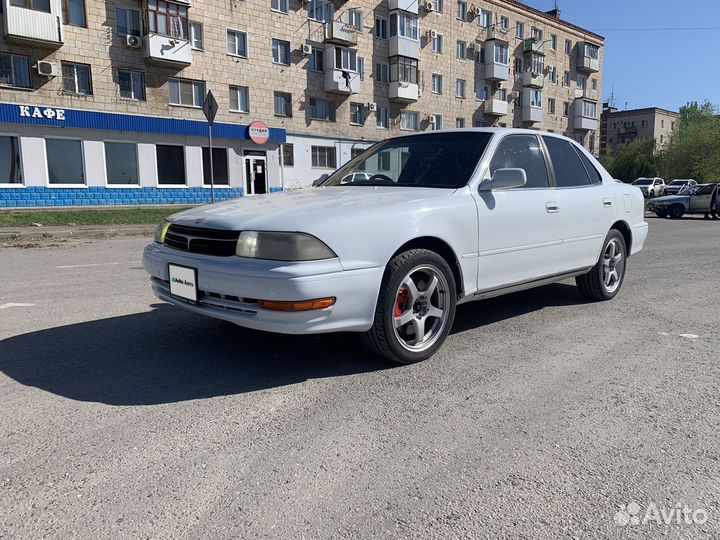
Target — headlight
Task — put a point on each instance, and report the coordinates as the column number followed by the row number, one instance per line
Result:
column 161, row 231
column 281, row 246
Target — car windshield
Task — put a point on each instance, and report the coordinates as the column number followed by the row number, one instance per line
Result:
column 436, row 160
column 679, row 182
column 643, row 182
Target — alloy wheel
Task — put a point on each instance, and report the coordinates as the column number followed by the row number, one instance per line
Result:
column 613, row 265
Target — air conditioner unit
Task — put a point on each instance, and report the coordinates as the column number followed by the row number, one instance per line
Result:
column 477, row 48
column 515, row 95
column 498, row 85
column 372, row 106
column 477, row 11
column 133, row 42
column 47, row 69
column 429, row 6
column 433, row 34
column 307, row 49
column 431, row 119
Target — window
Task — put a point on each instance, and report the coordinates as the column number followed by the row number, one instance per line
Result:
column 437, row 43
column 346, row 59
column 404, row 25
column 595, row 177
column 168, row 19
column 522, row 152
column 553, row 42
column 35, row 5
column 551, row 105
column 593, row 83
column 662, row 124
column 383, row 161
column 438, row 5
column 535, row 98
column 237, row 44
column 381, row 27
column 65, row 161
column 462, row 10
column 461, row 50
column 502, row 94
column 283, row 104
column 170, row 164
column 220, row 166
column 409, row 120
column 320, row 11
column 642, row 123
column 518, row 66
column 361, row 67
column 566, row 79
column 552, row 75
column 436, row 122
column 355, row 18
column 382, row 74
column 239, row 99
column 357, row 114
column 504, row 23
column 186, row 93
column 403, row 69
column 566, row 108
column 481, row 91
column 581, row 82
column 485, row 19
column 279, row 5
column 75, row 13
column 355, row 152
column 382, row 119
column 131, row 84
column 281, row 51
column 15, row 71
column 569, row 170
column 501, row 54
column 460, row 88
column 76, row 78
column 10, row 166
column 589, row 109
column 592, row 51
column 316, row 62
column 568, row 46
column 128, row 22
column 121, row 163
column 520, row 30
column 536, row 34
column 288, row 154
column 322, row 110
column 196, row 36
column 537, row 63
column 323, row 157
column 459, row 123
column 437, row 83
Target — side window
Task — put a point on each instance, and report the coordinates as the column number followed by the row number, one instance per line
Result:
column 522, row 152
column 595, row 177
column 707, row 190
column 569, row 170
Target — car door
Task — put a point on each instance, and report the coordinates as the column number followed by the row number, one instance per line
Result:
column 586, row 205
column 519, row 228
column 700, row 200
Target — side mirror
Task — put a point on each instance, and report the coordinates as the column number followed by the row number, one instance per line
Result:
column 505, row 179
column 320, row 180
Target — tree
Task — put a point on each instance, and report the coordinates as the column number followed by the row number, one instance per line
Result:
column 634, row 161
column 693, row 150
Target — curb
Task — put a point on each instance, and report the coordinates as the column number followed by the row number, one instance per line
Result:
column 23, row 235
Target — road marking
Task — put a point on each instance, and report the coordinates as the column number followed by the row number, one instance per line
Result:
column 689, row 336
column 88, row 265
column 14, row 304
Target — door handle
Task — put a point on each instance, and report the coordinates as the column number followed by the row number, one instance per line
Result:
column 552, row 207
column 607, row 202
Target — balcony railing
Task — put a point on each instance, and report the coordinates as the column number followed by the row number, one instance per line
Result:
column 532, row 45
column 411, row 6
column 533, row 79
column 342, row 81
column 168, row 50
column 403, row 92
column 531, row 114
column 404, row 46
column 33, row 26
column 495, row 107
column 340, row 33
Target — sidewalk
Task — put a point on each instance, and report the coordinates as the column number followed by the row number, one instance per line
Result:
column 23, row 235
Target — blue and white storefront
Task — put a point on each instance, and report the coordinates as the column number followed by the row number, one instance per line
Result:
column 66, row 157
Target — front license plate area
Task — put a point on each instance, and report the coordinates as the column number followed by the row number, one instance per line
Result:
column 183, row 282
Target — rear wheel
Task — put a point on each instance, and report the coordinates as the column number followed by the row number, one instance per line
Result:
column 415, row 309
column 676, row 211
column 605, row 279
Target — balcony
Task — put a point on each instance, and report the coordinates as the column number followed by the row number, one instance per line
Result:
column 404, row 46
column 588, row 60
column 532, row 115
column 533, row 79
column 340, row 33
column 582, row 123
column 497, row 32
column 403, row 92
column 495, row 107
column 167, row 50
column 411, row 6
column 532, row 45
column 342, row 81
column 32, row 26
column 496, row 72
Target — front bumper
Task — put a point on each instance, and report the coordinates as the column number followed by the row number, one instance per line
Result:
column 229, row 288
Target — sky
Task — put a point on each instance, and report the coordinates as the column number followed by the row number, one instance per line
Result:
column 658, row 53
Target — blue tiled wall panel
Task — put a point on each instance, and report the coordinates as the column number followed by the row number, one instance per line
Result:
column 103, row 196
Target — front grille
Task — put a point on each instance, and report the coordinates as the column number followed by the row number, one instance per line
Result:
column 199, row 240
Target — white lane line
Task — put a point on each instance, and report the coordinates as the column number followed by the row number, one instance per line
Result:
column 14, row 304
column 87, row 265
column 689, row 336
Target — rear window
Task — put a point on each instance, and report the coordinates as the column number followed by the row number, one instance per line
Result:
column 569, row 170
column 595, row 177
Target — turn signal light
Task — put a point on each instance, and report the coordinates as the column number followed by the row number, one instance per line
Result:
column 302, row 305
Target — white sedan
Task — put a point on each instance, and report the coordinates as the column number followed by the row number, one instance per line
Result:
column 433, row 221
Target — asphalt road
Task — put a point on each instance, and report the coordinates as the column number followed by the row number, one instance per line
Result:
column 126, row 418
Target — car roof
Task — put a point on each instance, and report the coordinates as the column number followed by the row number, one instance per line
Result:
column 493, row 131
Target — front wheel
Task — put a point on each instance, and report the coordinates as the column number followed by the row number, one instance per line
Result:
column 605, row 279
column 676, row 211
column 415, row 308
column 661, row 213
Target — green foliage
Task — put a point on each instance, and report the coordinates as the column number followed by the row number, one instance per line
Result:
column 636, row 160
column 120, row 216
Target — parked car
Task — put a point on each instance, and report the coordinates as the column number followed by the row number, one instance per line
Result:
column 676, row 186
column 445, row 218
column 355, row 177
column 697, row 199
column 651, row 187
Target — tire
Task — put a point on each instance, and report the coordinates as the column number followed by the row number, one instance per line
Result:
column 599, row 284
column 661, row 213
column 402, row 297
column 676, row 211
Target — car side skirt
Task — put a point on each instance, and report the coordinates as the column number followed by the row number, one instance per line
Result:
column 516, row 287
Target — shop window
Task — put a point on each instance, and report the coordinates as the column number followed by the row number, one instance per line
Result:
column 121, row 163
column 64, row 161
column 170, row 164
column 10, row 167
column 220, row 166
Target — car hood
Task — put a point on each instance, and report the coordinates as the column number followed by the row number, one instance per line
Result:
column 671, row 199
column 305, row 209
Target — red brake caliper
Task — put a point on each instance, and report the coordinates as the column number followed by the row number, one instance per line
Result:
column 402, row 301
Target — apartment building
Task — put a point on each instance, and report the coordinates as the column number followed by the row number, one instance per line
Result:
column 618, row 128
column 101, row 102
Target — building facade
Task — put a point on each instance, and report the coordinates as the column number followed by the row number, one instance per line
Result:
column 618, row 128
column 101, row 101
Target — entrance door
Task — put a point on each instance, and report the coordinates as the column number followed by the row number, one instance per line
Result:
column 255, row 175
